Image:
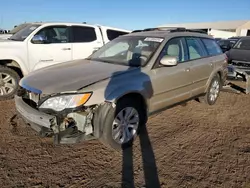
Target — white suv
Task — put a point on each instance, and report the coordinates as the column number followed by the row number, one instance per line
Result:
column 40, row 45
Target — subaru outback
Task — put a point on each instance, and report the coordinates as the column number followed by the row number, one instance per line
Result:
column 110, row 95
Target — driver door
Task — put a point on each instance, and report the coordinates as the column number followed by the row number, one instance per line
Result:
column 54, row 49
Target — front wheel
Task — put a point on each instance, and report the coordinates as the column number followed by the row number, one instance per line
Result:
column 213, row 91
column 122, row 123
column 8, row 83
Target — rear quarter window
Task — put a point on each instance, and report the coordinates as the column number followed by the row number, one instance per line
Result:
column 195, row 48
column 212, row 47
column 112, row 34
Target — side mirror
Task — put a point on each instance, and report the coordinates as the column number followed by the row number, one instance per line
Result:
column 38, row 39
column 169, row 61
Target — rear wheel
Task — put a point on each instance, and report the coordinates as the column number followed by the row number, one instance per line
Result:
column 213, row 91
column 122, row 123
column 8, row 83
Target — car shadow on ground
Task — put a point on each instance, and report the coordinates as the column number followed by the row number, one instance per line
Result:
column 148, row 161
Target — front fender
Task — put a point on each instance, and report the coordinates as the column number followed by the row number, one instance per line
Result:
column 121, row 91
column 18, row 61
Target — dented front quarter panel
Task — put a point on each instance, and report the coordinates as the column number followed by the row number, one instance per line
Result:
column 114, row 88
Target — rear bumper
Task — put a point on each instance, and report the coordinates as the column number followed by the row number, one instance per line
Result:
column 239, row 74
column 40, row 122
column 224, row 76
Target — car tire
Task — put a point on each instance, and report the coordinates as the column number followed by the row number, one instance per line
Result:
column 109, row 125
column 7, row 93
column 213, row 91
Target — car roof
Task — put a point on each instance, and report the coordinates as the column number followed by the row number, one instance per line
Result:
column 166, row 34
column 79, row 24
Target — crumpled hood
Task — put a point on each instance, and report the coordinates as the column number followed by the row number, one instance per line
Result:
column 70, row 76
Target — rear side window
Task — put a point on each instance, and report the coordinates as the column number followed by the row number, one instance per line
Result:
column 243, row 44
column 112, row 34
column 83, row 34
column 212, row 47
column 195, row 48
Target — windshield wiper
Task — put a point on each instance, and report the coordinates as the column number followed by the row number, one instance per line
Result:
column 99, row 60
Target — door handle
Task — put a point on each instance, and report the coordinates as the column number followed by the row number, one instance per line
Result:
column 187, row 69
column 66, row 48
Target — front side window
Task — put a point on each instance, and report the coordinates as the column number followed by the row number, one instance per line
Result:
column 128, row 51
column 112, row 34
column 54, row 34
column 212, row 47
column 83, row 34
column 22, row 34
column 195, row 48
column 175, row 47
column 243, row 44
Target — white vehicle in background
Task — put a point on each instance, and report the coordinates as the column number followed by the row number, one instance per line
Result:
column 39, row 45
column 7, row 34
column 4, row 34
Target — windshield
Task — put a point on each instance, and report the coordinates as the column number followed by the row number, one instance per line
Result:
column 18, row 28
column 24, row 33
column 224, row 42
column 128, row 50
column 243, row 44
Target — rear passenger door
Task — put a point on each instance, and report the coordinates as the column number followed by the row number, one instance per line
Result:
column 202, row 66
column 85, row 40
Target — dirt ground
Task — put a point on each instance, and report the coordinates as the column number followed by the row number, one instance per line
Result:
column 186, row 146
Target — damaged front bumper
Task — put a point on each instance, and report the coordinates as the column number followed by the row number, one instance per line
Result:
column 72, row 128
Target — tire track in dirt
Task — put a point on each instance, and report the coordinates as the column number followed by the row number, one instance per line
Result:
column 194, row 146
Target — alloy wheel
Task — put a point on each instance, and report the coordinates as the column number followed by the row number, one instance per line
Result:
column 125, row 125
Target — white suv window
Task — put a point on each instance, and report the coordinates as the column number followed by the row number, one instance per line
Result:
column 55, row 34
column 83, row 34
column 112, row 34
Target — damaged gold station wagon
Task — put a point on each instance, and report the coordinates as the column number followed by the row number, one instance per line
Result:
column 110, row 95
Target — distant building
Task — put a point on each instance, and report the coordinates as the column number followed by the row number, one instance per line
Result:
column 221, row 29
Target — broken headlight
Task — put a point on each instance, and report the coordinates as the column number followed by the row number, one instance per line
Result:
column 61, row 102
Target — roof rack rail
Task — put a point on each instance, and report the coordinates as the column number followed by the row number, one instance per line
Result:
column 171, row 29
column 196, row 31
column 160, row 29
